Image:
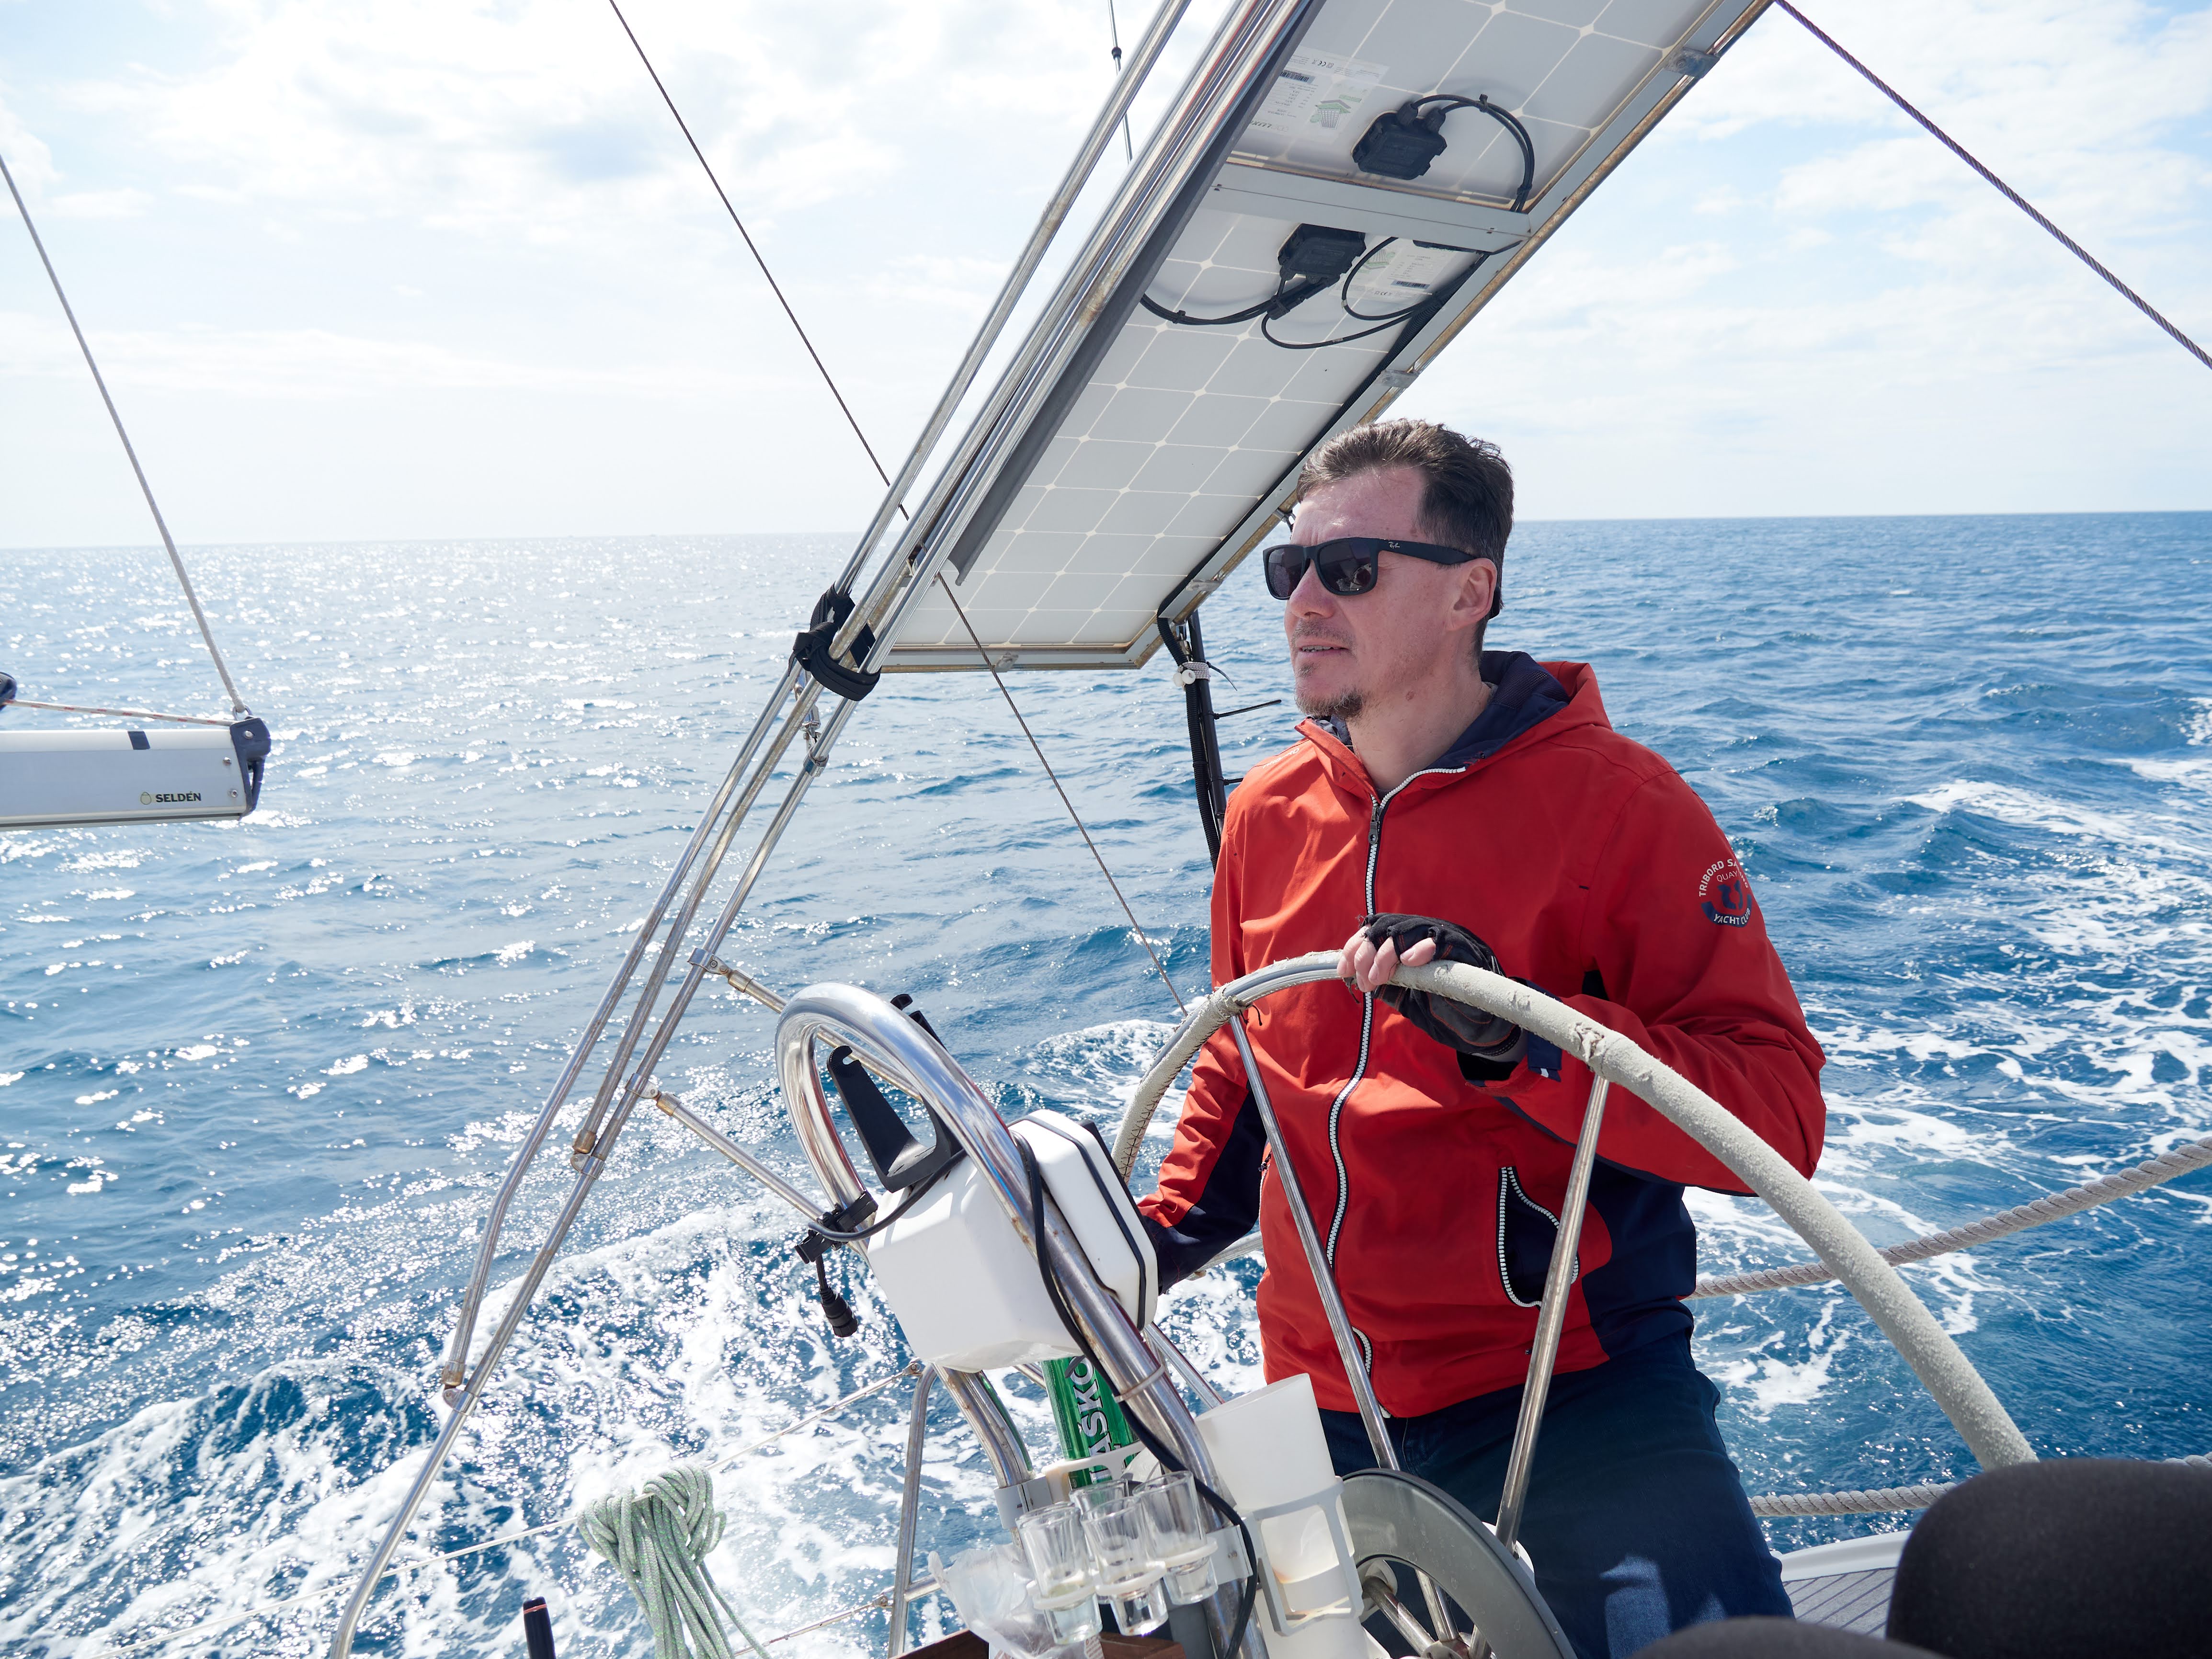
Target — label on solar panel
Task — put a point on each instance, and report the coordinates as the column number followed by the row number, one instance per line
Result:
column 1318, row 90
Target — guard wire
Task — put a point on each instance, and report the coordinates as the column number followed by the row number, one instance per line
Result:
column 237, row 703
column 1999, row 185
column 1153, row 1443
column 1077, row 817
column 119, row 713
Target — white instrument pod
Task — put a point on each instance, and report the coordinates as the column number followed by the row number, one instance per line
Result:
column 72, row 777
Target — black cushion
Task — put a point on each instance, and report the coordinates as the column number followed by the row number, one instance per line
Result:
column 1774, row 1638
column 2072, row 1556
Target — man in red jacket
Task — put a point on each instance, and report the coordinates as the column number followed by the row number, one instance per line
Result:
column 1444, row 798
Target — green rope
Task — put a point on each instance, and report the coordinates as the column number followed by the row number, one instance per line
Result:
column 659, row 1540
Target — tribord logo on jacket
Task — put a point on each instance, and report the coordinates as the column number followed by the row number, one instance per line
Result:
column 1724, row 893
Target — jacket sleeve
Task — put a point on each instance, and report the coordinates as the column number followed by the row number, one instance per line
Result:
column 1682, row 966
column 1209, row 1185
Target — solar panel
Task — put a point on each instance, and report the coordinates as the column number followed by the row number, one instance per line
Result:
column 1160, row 453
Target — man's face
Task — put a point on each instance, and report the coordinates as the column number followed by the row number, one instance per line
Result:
column 1357, row 653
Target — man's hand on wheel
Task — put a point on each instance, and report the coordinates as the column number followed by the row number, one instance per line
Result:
column 1383, row 943
column 1365, row 966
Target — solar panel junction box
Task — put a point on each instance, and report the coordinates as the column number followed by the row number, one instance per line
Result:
column 1319, row 253
column 1401, row 143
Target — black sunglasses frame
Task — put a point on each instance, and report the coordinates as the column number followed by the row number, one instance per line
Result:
column 1349, row 565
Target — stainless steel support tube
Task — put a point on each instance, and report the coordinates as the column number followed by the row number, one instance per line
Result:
column 802, row 708
column 457, row 1350
column 987, row 1414
column 1552, row 1317
column 674, row 1107
column 634, row 1086
column 917, row 1433
column 589, row 1164
column 342, row 1639
column 1324, row 1277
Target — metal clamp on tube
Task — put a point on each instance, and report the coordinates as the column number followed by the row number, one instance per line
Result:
column 897, row 1050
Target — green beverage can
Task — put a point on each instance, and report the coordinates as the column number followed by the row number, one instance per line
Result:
column 1089, row 1417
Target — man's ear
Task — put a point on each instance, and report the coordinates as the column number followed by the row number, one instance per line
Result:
column 1471, row 599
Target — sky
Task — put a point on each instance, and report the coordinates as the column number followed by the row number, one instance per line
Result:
column 410, row 269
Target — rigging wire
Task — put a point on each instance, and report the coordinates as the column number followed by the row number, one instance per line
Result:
column 1141, row 939
column 237, row 703
column 829, row 380
column 774, row 286
column 2002, row 188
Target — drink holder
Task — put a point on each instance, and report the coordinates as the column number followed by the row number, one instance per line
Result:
column 1281, row 1598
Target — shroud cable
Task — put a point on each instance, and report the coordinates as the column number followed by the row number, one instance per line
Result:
column 237, row 703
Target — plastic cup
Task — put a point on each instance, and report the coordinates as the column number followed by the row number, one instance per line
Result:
column 1127, row 1569
column 1058, row 1556
column 1174, row 1524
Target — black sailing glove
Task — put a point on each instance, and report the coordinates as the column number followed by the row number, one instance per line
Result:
column 1489, row 1045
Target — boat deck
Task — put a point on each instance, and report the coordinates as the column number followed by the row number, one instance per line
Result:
column 1845, row 1586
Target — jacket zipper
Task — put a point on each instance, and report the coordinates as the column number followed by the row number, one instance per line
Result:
column 1366, row 1038
column 1509, row 1186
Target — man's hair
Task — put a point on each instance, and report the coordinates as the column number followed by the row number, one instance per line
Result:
column 1467, row 500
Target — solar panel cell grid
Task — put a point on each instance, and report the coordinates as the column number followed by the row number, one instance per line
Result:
column 1181, row 433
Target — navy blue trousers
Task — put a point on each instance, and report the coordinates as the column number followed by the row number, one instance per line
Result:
column 1637, row 1519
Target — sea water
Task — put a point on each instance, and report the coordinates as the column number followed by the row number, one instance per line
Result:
column 258, row 1082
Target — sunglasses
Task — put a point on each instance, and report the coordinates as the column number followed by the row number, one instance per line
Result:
column 1346, row 566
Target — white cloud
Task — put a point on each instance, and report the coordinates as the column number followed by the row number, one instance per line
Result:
column 363, row 205
column 537, row 118
column 99, row 205
column 316, row 364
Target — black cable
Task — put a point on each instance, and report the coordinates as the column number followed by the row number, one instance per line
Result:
column 1282, row 299
column 1344, row 292
column 1153, row 1443
column 1505, row 117
column 824, row 1229
column 1338, row 339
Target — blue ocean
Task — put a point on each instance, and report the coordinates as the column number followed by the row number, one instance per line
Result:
column 257, row 1083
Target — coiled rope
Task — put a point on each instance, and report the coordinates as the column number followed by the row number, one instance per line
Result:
column 659, row 1540
column 2161, row 1169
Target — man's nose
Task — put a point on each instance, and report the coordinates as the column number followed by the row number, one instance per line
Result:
column 1310, row 597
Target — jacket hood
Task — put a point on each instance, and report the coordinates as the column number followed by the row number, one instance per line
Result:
column 1532, row 701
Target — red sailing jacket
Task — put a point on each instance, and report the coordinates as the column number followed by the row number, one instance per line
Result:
column 1596, row 875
